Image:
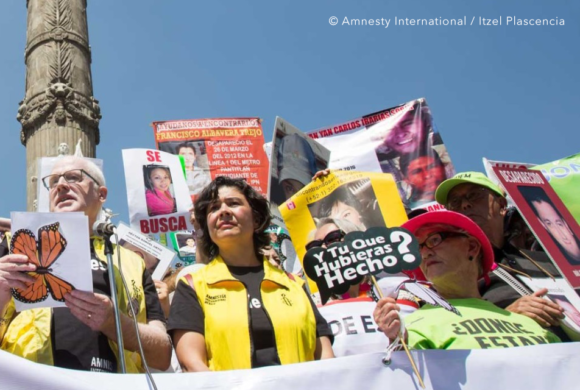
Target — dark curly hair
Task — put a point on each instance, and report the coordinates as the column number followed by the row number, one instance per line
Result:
column 260, row 210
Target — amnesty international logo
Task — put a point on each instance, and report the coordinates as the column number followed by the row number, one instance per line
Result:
column 213, row 299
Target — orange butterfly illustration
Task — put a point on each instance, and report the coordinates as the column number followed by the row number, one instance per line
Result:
column 42, row 253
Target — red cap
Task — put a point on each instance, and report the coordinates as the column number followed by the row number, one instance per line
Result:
column 456, row 220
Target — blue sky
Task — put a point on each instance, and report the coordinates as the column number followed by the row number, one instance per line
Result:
column 503, row 92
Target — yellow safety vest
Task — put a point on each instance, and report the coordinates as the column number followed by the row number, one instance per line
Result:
column 224, row 301
column 27, row 334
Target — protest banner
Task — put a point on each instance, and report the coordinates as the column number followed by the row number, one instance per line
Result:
column 157, row 257
column 564, row 177
column 45, row 165
column 58, row 244
column 213, row 147
column 363, row 199
column 156, row 191
column 547, row 216
column 294, row 159
column 552, row 366
column 401, row 140
column 353, row 327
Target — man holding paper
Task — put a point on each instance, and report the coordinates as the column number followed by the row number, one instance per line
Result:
column 82, row 335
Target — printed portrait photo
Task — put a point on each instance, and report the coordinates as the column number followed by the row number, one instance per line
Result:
column 354, row 203
column 569, row 310
column 159, row 193
column 151, row 262
column 195, row 156
column 553, row 222
column 186, row 244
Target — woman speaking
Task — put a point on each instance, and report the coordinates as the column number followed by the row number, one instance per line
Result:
column 240, row 311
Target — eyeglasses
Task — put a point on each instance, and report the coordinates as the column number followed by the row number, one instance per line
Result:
column 72, row 176
column 332, row 237
column 436, row 239
column 472, row 196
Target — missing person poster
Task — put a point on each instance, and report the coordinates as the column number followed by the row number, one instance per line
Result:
column 401, row 140
column 156, row 191
column 295, row 159
column 547, row 216
column 156, row 257
column 185, row 244
column 213, row 147
column 341, row 201
column 564, row 177
column 561, row 293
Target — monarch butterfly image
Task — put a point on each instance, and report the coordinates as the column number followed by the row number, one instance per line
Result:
column 42, row 253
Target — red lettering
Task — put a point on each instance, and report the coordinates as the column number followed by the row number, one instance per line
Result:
column 144, row 227
column 172, row 224
column 163, row 225
column 182, row 224
column 153, row 156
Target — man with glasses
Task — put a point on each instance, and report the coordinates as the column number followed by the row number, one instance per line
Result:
column 82, row 336
column 477, row 197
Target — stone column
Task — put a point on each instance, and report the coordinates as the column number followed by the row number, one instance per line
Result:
column 58, row 106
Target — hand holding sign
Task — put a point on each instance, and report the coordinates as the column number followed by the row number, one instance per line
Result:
column 379, row 249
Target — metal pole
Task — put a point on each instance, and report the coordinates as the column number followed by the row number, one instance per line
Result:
column 115, row 300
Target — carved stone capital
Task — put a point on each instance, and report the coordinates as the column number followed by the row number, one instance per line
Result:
column 60, row 103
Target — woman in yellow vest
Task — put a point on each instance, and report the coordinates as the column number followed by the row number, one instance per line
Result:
column 240, row 311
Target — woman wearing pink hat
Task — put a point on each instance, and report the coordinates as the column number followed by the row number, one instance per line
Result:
column 456, row 254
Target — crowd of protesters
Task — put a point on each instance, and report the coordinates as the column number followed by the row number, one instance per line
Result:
column 241, row 310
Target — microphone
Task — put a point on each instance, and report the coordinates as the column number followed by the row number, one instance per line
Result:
column 104, row 228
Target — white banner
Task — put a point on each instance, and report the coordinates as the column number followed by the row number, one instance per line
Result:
column 354, row 329
column 551, row 367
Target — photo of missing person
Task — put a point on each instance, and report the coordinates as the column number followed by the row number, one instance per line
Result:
column 423, row 174
column 411, row 149
column 355, row 202
column 553, row 222
column 297, row 159
column 186, row 244
column 159, row 193
column 194, row 153
column 151, row 262
column 569, row 310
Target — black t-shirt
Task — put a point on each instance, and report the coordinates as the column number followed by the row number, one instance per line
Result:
column 187, row 314
column 75, row 345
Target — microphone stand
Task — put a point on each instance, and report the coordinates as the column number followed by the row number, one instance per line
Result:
column 115, row 300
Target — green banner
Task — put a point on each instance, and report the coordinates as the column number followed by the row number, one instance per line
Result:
column 564, row 177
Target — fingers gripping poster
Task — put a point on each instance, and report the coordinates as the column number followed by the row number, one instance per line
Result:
column 157, row 193
column 213, row 147
column 355, row 200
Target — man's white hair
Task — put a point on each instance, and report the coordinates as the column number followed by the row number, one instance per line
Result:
column 88, row 165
